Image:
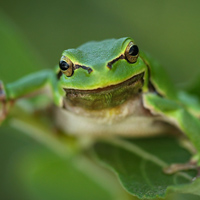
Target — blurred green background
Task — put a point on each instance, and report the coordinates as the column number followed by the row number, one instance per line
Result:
column 169, row 30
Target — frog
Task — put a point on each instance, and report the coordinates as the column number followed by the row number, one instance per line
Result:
column 111, row 88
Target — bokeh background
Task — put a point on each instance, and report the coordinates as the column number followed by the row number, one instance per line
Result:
column 169, row 30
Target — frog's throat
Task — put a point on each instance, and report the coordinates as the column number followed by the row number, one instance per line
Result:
column 106, row 97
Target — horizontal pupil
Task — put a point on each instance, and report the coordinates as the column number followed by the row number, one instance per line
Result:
column 133, row 51
column 63, row 65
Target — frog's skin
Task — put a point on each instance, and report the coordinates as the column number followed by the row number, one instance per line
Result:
column 105, row 89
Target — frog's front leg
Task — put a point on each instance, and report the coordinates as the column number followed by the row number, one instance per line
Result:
column 30, row 85
column 176, row 114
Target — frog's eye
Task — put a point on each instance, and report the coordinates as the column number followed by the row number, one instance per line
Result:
column 131, row 52
column 66, row 66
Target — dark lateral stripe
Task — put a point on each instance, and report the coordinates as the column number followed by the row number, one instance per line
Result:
column 83, row 67
column 59, row 74
column 109, row 65
column 129, row 81
column 106, row 97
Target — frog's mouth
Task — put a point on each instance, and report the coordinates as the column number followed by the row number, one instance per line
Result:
column 106, row 97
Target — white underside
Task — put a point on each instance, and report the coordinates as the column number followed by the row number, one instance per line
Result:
column 129, row 119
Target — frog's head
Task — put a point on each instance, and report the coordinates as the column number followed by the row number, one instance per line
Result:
column 98, row 66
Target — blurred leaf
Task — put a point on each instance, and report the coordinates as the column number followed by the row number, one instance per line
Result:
column 139, row 164
column 194, row 87
column 17, row 57
column 50, row 177
column 11, row 143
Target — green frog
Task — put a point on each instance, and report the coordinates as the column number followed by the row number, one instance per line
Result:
column 111, row 87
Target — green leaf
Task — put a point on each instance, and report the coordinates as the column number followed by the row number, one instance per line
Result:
column 139, row 165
